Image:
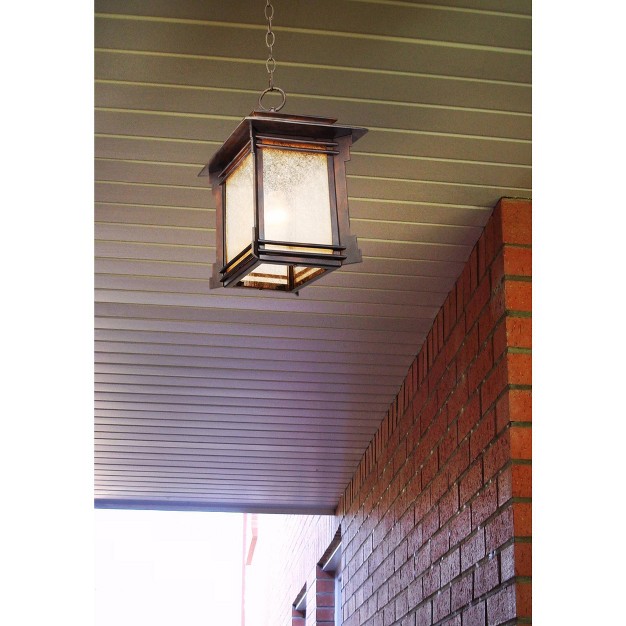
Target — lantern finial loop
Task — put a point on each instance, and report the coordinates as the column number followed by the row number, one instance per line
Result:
column 273, row 109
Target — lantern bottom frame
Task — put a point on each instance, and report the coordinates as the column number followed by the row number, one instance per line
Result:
column 297, row 264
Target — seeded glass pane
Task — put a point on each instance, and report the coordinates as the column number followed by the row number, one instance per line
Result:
column 305, row 274
column 296, row 202
column 239, row 208
column 267, row 275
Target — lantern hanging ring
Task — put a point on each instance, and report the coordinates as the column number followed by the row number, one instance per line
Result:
column 273, row 109
column 270, row 64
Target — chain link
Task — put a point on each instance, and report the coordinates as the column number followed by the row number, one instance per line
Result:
column 270, row 38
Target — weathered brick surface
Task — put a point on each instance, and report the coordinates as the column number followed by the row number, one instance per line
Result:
column 436, row 521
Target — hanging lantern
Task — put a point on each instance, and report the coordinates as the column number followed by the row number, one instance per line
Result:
column 279, row 184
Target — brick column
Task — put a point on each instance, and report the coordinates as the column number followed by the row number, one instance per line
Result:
column 437, row 518
column 320, row 599
column 510, row 455
column 324, row 598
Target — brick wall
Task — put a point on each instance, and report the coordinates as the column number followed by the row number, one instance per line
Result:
column 286, row 557
column 436, row 521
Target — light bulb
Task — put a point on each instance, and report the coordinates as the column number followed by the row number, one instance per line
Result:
column 277, row 215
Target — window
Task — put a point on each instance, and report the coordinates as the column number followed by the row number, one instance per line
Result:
column 298, row 613
column 332, row 564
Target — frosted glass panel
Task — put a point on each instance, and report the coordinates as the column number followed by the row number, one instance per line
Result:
column 304, row 274
column 239, row 208
column 267, row 275
column 295, row 194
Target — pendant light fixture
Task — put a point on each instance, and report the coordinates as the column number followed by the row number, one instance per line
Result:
column 279, row 184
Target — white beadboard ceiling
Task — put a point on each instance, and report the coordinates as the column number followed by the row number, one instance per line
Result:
column 228, row 400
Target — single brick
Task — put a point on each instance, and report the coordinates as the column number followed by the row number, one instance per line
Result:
column 441, row 604
column 487, row 323
column 430, row 468
column 459, row 462
column 431, row 580
column 389, row 614
column 469, row 416
column 473, row 549
column 494, row 385
column 446, row 385
column 415, row 593
column 485, row 504
column 440, row 544
column 523, row 559
column 400, row 555
column 402, row 604
column 462, row 590
column 471, row 483
column 521, row 442
column 520, row 368
column 519, row 332
column 435, row 374
column 324, row 614
column 468, row 351
column 479, row 368
column 501, row 606
column 518, row 261
column 439, row 485
column 499, row 530
column 460, row 526
column 483, row 434
column 422, row 505
column 520, row 405
column 449, row 504
column 507, row 563
column 475, row 615
column 422, row 559
column 496, row 277
column 457, row 399
column 516, row 216
column 450, row 566
column 486, row 576
column 424, row 614
column 448, row 444
column 522, row 519
column 457, row 336
column 325, row 586
column 414, row 540
column 477, row 302
column 497, row 455
column 518, row 295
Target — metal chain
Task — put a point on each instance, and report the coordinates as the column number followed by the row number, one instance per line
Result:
column 270, row 38
column 270, row 64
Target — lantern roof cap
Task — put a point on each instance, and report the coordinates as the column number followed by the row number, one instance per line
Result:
column 301, row 126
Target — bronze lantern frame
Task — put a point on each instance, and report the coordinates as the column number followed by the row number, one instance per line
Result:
column 305, row 261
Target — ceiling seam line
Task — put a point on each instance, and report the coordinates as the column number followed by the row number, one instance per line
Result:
column 297, row 95
column 320, row 66
column 436, row 43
